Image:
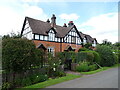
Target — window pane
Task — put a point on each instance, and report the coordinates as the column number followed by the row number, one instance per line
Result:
column 37, row 37
column 41, row 37
column 73, row 39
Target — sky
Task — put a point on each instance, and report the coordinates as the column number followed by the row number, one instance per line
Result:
column 98, row 18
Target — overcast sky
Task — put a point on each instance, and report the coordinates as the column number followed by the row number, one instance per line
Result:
column 98, row 19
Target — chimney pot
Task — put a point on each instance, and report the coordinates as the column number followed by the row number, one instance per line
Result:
column 70, row 23
column 48, row 20
column 64, row 25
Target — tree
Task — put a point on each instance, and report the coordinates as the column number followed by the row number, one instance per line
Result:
column 106, row 54
column 19, row 55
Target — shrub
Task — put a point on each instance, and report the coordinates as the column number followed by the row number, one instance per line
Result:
column 59, row 74
column 116, row 59
column 18, row 82
column 87, row 45
column 26, row 81
column 6, row 86
column 95, row 56
column 85, row 56
column 40, row 78
column 106, row 54
column 83, row 49
column 83, row 67
column 35, row 78
column 93, row 67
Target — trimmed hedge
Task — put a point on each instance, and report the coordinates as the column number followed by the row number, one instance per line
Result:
column 90, row 56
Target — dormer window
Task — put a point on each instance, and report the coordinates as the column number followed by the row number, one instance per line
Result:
column 51, row 35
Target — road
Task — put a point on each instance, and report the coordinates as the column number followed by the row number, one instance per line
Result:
column 104, row 79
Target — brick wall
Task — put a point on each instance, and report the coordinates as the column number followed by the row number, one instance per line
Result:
column 59, row 47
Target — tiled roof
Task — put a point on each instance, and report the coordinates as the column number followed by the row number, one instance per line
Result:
column 41, row 27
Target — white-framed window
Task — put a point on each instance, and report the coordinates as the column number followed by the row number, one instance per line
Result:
column 84, row 41
column 36, row 36
column 73, row 39
column 51, row 35
column 45, row 38
column 51, row 50
column 41, row 37
column 55, row 39
column 58, row 39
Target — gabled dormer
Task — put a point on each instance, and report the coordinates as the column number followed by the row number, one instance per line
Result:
column 51, row 35
column 73, row 36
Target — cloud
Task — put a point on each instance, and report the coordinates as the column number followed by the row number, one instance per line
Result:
column 72, row 16
column 11, row 19
column 102, row 27
column 34, row 12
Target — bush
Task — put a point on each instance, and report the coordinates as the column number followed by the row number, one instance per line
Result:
column 85, row 56
column 59, row 74
column 18, row 82
column 26, row 82
column 6, row 86
column 96, row 56
column 83, row 67
column 93, row 67
column 38, row 78
column 106, row 54
column 83, row 49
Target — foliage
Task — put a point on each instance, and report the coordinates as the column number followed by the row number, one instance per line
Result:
column 26, row 81
column 87, row 45
column 18, row 55
column 106, row 54
column 83, row 67
column 85, row 56
column 83, row 49
column 93, row 67
column 52, row 82
column 96, row 56
column 61, row 56
column 53, row 66
column 6, row 85
column 40, row 78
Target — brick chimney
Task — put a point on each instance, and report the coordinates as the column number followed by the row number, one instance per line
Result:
column 53, row 21
column 64, row 25
column 70, row 23
column 48, row 21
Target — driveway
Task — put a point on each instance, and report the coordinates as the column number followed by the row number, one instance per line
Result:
column 104, row 79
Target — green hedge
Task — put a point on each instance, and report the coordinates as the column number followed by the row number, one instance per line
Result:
column 106, row 54
column 90, row 56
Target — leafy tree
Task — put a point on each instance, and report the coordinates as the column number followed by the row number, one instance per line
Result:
column 19, row 55
column 106, row 54
column 87, row 45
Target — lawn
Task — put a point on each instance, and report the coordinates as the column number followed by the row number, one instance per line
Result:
column 51, row 82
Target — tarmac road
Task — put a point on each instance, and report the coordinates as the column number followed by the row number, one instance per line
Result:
column 104, row 79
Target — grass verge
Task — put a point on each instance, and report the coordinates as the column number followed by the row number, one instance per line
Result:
column 51, row 82
column 99, row 70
